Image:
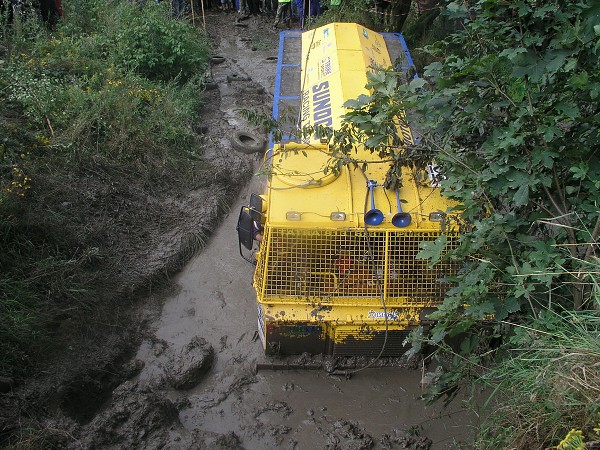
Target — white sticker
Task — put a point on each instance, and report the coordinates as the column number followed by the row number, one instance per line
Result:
column 391, row 315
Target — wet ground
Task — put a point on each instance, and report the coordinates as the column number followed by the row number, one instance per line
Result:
column 207, row 330
column 375, row 408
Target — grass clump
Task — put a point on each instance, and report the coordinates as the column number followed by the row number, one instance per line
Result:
column 97, row 137
column 548, row 385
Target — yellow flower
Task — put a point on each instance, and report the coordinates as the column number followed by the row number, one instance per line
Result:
column 572, row 441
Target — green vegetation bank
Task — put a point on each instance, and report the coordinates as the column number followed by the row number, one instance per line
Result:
column 98, row 137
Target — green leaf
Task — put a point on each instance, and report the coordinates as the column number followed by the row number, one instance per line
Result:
column 417, row 83
column 517, row 90
column 555, row 59
column 432, row 250
column 481, row 310
column 511, row 304
column 580, row 171
column 568, row 109
column 438, row 336
column 456, row 10
column 512, row 53
column 521, row 197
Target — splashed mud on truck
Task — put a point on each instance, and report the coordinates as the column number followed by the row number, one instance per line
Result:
column 337, row 271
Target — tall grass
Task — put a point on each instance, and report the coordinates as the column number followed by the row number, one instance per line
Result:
column 36, row 288
column 548, row 384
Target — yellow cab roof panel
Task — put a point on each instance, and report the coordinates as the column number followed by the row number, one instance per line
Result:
column 336, row 59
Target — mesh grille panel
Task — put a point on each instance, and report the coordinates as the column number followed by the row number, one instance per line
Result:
column 353, row 343
column 339, row 267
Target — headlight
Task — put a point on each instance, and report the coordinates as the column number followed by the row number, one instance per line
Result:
column 437, row 216
column 293, row 215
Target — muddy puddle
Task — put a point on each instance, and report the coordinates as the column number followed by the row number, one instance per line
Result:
column 212, row 317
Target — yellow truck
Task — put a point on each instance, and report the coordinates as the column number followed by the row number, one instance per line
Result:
column 335, row 251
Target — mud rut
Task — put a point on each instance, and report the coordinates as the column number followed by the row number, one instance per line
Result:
column 196, row 385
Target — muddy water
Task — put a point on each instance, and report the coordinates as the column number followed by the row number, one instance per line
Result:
column 376, row 408
column 283, row 409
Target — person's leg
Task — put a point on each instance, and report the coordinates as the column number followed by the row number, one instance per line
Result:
column 288, row 13
column 279, row 14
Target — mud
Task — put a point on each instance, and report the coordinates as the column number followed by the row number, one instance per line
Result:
column 192, row 382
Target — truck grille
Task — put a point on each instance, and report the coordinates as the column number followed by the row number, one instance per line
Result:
column 349, row 342
column 351, row 267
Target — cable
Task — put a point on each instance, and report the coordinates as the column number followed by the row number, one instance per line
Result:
column 349, row 373
column 302, row 86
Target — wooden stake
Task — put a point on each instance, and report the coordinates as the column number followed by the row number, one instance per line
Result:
column 203, row 19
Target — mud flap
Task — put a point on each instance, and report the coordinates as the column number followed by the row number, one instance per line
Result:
column 261, row 325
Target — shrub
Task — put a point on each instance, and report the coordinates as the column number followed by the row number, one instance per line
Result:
column 148, row 42
column 357, row 11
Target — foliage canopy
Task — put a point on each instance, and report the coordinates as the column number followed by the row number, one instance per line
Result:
column 509, row 111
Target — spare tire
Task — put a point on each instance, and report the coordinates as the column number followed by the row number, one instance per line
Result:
column 245, row 142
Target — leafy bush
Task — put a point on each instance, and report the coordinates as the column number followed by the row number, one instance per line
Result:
column 357, row 11
column 509, row 114
column 141, row 39
column 128, row 118
column 65, row 83
column 514, row 128
column 150, row 43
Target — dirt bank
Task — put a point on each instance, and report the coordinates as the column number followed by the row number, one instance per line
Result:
column 182, row 373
